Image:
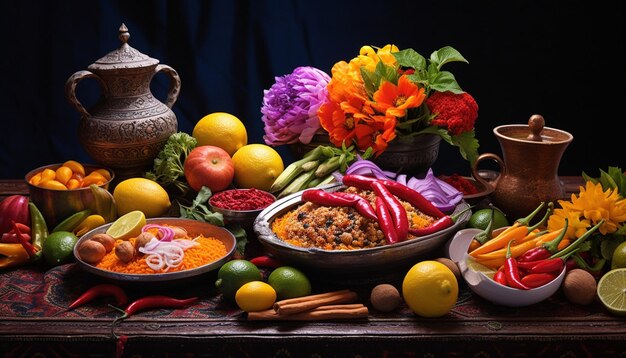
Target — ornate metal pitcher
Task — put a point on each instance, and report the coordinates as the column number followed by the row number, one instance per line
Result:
column 128, row 126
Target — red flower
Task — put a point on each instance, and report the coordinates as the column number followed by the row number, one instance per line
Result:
column 456, row 112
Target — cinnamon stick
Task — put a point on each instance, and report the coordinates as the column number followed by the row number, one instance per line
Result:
column 306, row 303
column 329, row 312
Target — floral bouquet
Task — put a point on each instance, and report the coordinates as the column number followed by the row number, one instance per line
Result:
column 380, row 95
column 600, row 202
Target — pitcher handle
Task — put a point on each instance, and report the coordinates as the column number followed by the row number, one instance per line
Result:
column 493, row 157
column 174, row 91
column 70, row 89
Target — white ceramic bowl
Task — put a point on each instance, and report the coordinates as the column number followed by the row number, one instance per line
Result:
column 485, row 286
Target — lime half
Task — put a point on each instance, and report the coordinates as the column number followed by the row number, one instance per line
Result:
column 127, row 226
column 478, row 267
column 612, row 291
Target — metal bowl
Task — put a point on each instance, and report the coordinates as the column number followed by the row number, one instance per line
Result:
column 348, row 261
column 193, row 228
column 56, row 205
column 244, row 218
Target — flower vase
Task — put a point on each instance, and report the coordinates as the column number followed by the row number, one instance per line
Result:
column 414, row 155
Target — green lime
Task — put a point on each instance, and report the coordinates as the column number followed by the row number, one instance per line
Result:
column 612, row 291
column 618, row 259
column 289, row 282
column 234, row 274
column 58, row 247
column 480, row 219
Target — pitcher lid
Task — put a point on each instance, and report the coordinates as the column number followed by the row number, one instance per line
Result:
column 124, row 57
column 534, row 133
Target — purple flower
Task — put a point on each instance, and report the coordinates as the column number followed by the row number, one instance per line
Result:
column 290, row 106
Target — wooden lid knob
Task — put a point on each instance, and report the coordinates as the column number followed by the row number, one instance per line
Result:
column 536, row 123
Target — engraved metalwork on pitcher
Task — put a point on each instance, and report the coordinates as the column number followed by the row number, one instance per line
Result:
column 128, row 126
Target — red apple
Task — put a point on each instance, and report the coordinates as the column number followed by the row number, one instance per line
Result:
column 209, row 166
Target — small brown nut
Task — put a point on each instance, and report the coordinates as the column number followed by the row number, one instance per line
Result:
column 385, row 298
column 451, row 265
column 179, row 232
column 125, row 251
column 91, row 251
column 143, row 239
column 106, row 240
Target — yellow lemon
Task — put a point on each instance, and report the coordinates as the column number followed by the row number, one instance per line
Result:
column 141, row 194
column 430, row 289
column 127, row 226
column 257, row 166
column 255, row 296
column 222, row 130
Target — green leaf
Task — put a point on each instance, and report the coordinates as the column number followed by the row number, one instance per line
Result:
column 468, row 145
column 387, row 73
column 419, row 78
column 370, row 81
column 445, row 81
column 410, row 58
column 240, row 235
column 445, row 55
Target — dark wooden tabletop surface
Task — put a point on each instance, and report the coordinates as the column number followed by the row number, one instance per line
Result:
column 474, row 328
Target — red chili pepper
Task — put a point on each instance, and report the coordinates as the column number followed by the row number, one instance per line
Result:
column 385, row 222
column 545, row 250
column 266, row 261
column 24, row 239
column 156, row 301
column 533, row 280
column 322, row 197
column 440, row 224
column 548, row 266
column 500, row 276
column 511, row 271
column 398, row 213
column 100, row 290
column 362, row 205
column 402, row 191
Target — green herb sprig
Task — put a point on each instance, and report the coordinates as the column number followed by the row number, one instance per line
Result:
column 169, row 169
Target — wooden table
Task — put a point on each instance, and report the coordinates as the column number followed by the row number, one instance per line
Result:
column 474, row 327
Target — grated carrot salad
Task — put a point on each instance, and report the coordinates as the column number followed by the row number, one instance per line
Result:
column 209, row 249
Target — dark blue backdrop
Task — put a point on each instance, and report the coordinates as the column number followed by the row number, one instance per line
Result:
column 564, row 62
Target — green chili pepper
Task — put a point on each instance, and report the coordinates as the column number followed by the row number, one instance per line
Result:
column 70, row 223
column 39, row 230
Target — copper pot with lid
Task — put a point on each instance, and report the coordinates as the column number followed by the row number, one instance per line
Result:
column 528, row 174
column 128, row 126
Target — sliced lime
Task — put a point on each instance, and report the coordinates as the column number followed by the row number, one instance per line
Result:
column 612, row 291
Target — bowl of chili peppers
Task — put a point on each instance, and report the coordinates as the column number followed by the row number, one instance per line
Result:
column 513, row 284
column 241, row 206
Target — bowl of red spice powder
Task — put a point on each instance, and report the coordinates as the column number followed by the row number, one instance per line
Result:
column 241, row 206
column 474, row 190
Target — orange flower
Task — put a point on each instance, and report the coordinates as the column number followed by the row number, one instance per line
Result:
column 395, row 100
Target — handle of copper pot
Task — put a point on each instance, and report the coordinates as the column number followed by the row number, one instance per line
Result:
column 486, row 156
column 174, row 91
column 70, row 89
